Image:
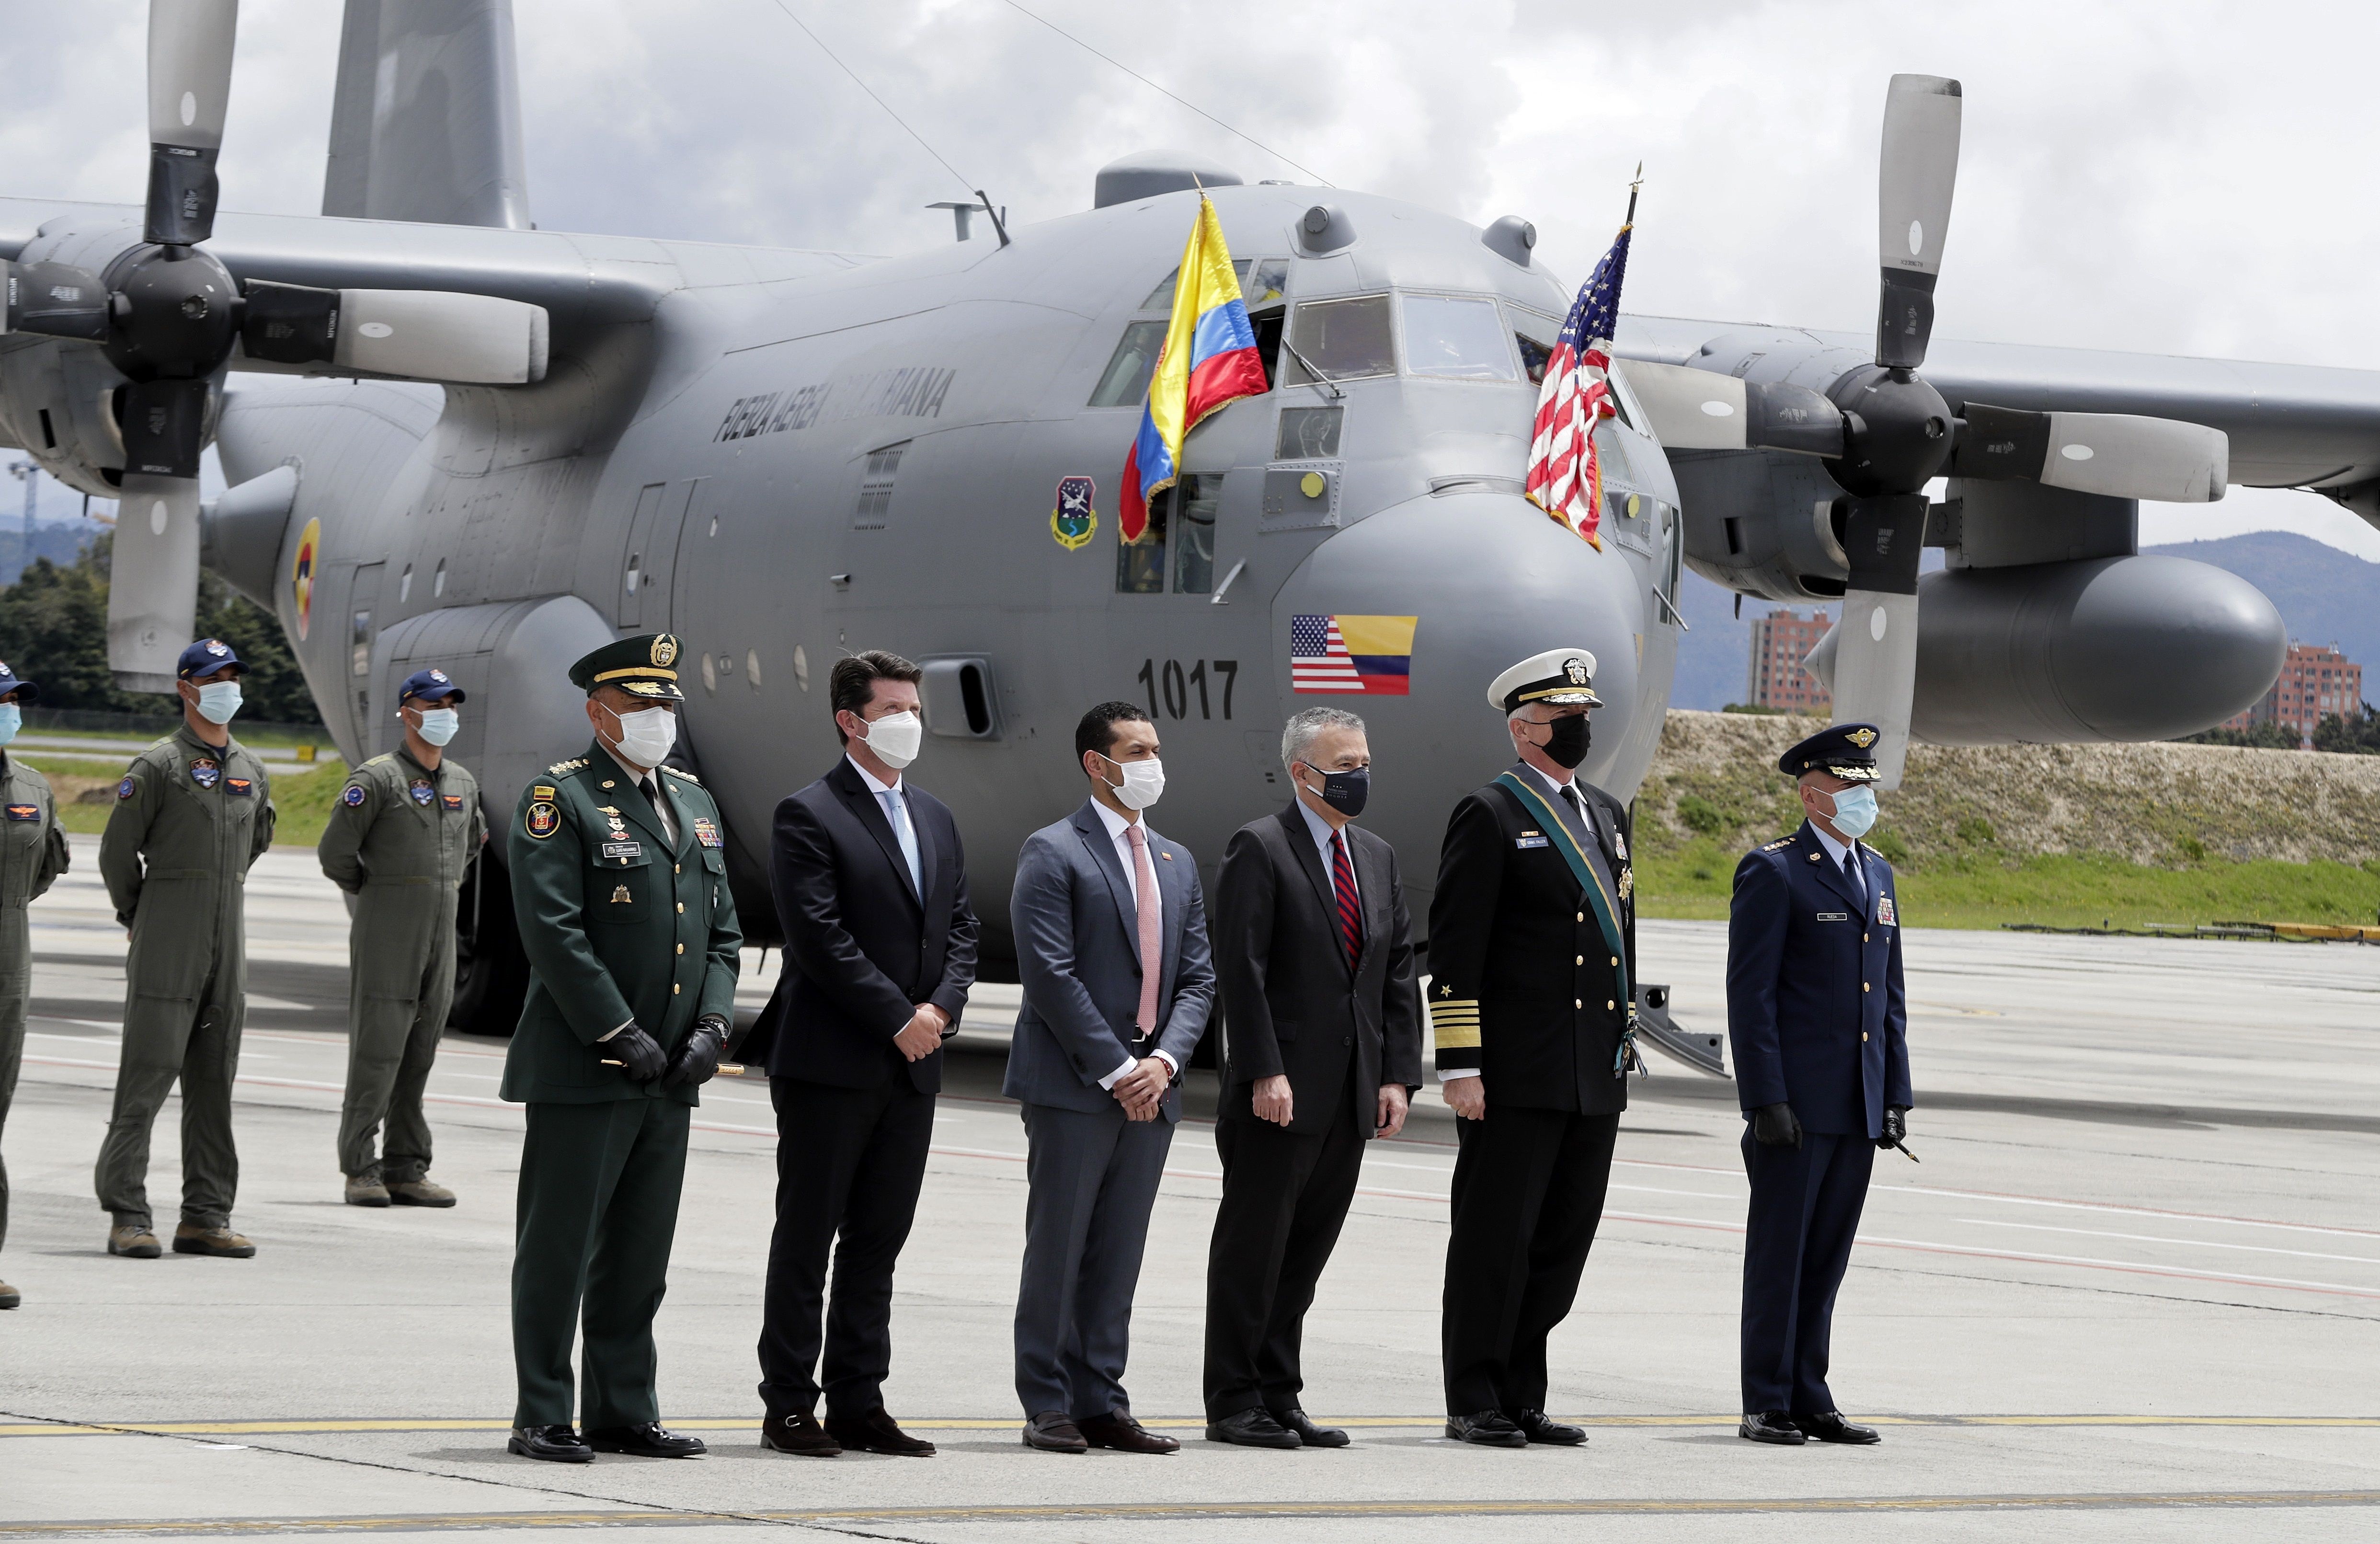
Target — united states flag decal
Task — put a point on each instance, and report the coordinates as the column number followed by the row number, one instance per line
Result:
column 1370, row 655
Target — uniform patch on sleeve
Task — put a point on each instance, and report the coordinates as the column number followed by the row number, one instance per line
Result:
column 542, row 791
column 541, row 819
column 127, row 788
column 1454, row 1024
column 354, row 796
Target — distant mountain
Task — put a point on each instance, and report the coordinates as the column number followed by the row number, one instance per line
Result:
column 2324, row 595
column 61, row 541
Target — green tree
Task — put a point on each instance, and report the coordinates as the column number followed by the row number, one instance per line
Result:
column 2357, row 734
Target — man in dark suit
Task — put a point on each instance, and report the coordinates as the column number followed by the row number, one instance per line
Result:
column 1322, row 1032
column 1532, row 951
column 1111, row 932
column 871, row 884
column 1820, row 1028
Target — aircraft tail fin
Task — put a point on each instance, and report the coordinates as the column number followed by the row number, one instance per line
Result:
column 426, row 124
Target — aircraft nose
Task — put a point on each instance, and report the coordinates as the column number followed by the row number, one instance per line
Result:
column 1490, row 580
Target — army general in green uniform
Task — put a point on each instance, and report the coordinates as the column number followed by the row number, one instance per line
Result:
column 33, row 855
column 620, row 884
column 193, row 812
column 400, row 840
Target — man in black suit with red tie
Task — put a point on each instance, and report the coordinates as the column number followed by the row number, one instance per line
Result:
column 1322, row 1028
column 871, row 885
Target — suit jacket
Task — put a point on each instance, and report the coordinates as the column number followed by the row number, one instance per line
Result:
column 1816, row 1011
column 1525, row 986
column 617, row 924
column 862, row 947
column 1078, row 953
column 1291, row 1007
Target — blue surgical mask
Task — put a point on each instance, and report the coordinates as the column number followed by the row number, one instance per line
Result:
column 12, row 719
column 1854, row 811
column 218, row 701
column 437, row 724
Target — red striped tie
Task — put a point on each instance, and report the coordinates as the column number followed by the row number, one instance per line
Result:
column 1351, row 915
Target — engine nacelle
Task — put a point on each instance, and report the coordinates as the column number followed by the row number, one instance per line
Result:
column 2126, row 649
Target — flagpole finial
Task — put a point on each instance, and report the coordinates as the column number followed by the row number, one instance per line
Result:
column 1638, row 181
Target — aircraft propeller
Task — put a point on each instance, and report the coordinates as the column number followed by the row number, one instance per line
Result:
column 170, row 316
column 1885, row 432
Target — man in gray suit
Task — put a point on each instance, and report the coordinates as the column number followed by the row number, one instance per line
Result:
column 1111, row 946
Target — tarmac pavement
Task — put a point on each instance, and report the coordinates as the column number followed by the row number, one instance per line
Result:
column 2132, row 1292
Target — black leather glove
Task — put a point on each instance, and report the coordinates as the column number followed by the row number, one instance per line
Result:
column 1896, row 1126
column 1773, row 1126
column 640, row 1059
column 696, row 1056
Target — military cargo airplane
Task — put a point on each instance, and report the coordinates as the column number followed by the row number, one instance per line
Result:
column 453, row 438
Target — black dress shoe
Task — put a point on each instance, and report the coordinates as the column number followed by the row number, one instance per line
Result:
column 1489, row 1428
column 556, row 1444
column 875, row 1432
column 1255, row 1428
column 1538, row 1427
column 1313, row 1436
column 1054, row 1432
column 1117, row 1429
column 1771, row 1426
column 1829, row 1426
column 798, row 1433
column 649, row 1440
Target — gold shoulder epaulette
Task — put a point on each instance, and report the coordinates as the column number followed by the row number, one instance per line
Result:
column 559, row 768
column 675, row 771
column 1778, row 845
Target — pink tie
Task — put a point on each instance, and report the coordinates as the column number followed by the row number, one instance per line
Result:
column 1152, row 948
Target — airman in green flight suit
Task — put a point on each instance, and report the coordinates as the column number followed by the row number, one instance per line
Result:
column 193, row 812
column 620, row 885
column 400, row 840
column 33, row 855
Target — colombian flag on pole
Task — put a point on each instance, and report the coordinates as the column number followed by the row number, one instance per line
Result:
column 1209, row 359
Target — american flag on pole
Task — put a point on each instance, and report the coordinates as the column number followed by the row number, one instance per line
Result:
column 1564, row 478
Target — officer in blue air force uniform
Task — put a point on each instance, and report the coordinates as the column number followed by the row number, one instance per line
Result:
column 1819, row 1028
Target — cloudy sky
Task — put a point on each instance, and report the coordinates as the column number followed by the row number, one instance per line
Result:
column 2164, row 176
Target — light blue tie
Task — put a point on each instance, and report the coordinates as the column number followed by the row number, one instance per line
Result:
column 896, row 810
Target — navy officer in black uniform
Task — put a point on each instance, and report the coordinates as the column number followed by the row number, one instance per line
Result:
column 1532, row 947
column 1819, row 1026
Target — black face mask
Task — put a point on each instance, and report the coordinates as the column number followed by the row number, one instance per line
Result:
column 1566, row 741
column 1345, row 790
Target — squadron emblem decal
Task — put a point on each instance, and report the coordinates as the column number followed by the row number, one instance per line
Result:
column 1073, row 522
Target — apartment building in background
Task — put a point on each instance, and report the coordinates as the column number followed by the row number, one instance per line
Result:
column 2317, row 681
column 1779, row 642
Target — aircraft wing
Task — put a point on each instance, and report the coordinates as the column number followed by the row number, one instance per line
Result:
column 2291, row 426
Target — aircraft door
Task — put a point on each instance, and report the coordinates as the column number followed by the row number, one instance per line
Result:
column 650, row 557
column 631, row 611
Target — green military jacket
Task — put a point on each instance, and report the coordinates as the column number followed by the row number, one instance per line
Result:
column 32, row 846
column 188, row 822
column 618, row 925
column 400, row 823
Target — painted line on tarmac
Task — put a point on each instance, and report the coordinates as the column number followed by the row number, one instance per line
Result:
column 1003, row 1423
column 1191, row 1511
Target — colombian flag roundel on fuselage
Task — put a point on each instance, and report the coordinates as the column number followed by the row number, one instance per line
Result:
column 1209, row 359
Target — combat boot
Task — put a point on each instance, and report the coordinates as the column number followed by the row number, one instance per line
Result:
column 9, row 1296
column 191, row 1239
column 133, row 1241
column 419, row 1192
column 366, row 1190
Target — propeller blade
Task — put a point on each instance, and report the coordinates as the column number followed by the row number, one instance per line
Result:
column 189, row 91
column 54, row 299
column 421, row 334
column 1917, row 171
column 2120, row 454
column 1875, row 660
column 164, row 428
column 152, row 589
column 1698, row 409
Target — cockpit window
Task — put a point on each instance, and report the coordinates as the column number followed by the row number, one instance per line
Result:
column 1125, row 380
column 1455, row 338
column 1342, row 339
column 1534, row 356
column 1262, row 281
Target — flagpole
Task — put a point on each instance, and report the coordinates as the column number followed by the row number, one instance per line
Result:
column 1630, row 223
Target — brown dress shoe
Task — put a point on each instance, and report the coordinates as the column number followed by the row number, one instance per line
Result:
column 191, row 1239
column 1117, row 1429
column 366, row 1190
column 8, row 1296
column 419, row 1192
column 1052, row 1432
column 798, row 1433
column 875, row 1432
column 133, row 1241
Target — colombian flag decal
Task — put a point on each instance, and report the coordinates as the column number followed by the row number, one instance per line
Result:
column 1372, row 655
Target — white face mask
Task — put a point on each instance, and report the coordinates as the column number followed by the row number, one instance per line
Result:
column 1144, row 783
column 896, row 738
column 437, row 724
column 646, row 735
column 218, row 701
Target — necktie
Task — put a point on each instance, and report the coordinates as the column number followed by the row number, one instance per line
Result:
column 1351, row 915
column 1145, row 903
column 1852, row 874
column 896, row 810
column 652, row 795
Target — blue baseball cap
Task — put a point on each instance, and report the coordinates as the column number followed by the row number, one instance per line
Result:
column 431, row 686
column 25, row 691
column 204, row 658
